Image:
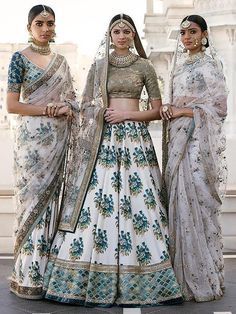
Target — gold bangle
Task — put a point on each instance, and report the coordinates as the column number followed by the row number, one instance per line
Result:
column 49, row 105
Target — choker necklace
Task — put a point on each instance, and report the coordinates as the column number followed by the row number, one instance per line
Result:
column 42, row 50
column 195, row 57
column 122, row 61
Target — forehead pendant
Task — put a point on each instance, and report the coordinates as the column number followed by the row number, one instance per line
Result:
column 44, row 13
column 121, row 24
column 186, row 24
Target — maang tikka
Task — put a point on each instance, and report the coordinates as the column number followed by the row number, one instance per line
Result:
column 186, row 23
column 122, row 23
column 44, row 13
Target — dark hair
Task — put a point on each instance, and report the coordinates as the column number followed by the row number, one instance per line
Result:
column 200, row 21
column 125, row 17
column 36, row 10
column 137, row 41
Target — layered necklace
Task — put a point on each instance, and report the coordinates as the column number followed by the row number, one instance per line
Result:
column 195, row 57
column 42, row 50
column 122, row 61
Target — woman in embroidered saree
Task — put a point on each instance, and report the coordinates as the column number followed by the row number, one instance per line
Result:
column 112, row 243
column 39, row 149
column 195, row 168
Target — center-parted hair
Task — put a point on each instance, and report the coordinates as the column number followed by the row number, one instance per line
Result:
column 36, row 10
column 125, row 17
column 137, row 41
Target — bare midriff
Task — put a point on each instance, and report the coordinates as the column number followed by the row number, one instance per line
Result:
column 124, row 104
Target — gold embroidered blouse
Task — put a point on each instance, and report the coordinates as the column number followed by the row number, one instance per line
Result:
column 128, row 82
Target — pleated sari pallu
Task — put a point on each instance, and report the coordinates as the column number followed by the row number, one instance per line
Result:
column 39, row 154
column 193, row 174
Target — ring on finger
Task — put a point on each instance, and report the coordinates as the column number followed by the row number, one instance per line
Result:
column 165, row 108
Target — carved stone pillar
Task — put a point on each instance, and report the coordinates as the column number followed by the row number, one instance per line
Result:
column 149, row 6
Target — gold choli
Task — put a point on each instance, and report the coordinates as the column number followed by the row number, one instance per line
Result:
column 128, row 82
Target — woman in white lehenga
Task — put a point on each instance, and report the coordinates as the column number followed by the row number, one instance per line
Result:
column 39, row 89
column 194, row 163
column 112, row 243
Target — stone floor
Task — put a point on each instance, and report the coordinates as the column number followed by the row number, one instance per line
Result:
column 10, row 304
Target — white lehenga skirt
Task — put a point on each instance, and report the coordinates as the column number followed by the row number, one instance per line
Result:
column 118, row 253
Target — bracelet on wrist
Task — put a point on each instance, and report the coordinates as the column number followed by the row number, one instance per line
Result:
column 50, row 105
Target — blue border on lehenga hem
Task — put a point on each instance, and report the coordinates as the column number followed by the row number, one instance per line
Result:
column 177, row 301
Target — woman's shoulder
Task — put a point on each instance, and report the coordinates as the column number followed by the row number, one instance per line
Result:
column 20, row 56
column 145, row 63
column 17, row 60
column 17, row 55
column 212, row 64
column 208, row 59
column 143, row 60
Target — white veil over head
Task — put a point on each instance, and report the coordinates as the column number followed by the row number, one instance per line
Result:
column 209, row 111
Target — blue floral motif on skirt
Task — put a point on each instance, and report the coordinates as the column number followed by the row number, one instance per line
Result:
column 119, row 251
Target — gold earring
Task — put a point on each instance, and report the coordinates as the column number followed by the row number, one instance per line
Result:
column 131, row 45
column 52, row 40
column 30, row 38
column 112, row 46
column 204, row 41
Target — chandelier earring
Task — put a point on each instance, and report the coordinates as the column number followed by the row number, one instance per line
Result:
column 204, row 42
column 52, row 40
column 131, row 45
column 30, row 38
column 112, row 46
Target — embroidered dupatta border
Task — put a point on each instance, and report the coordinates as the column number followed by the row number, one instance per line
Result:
column 87, row 176
column 71, row 226
column 49, row 72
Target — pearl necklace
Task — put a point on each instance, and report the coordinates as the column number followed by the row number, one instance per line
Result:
column 42, row 50
column 195, row 57
column 122, row 61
